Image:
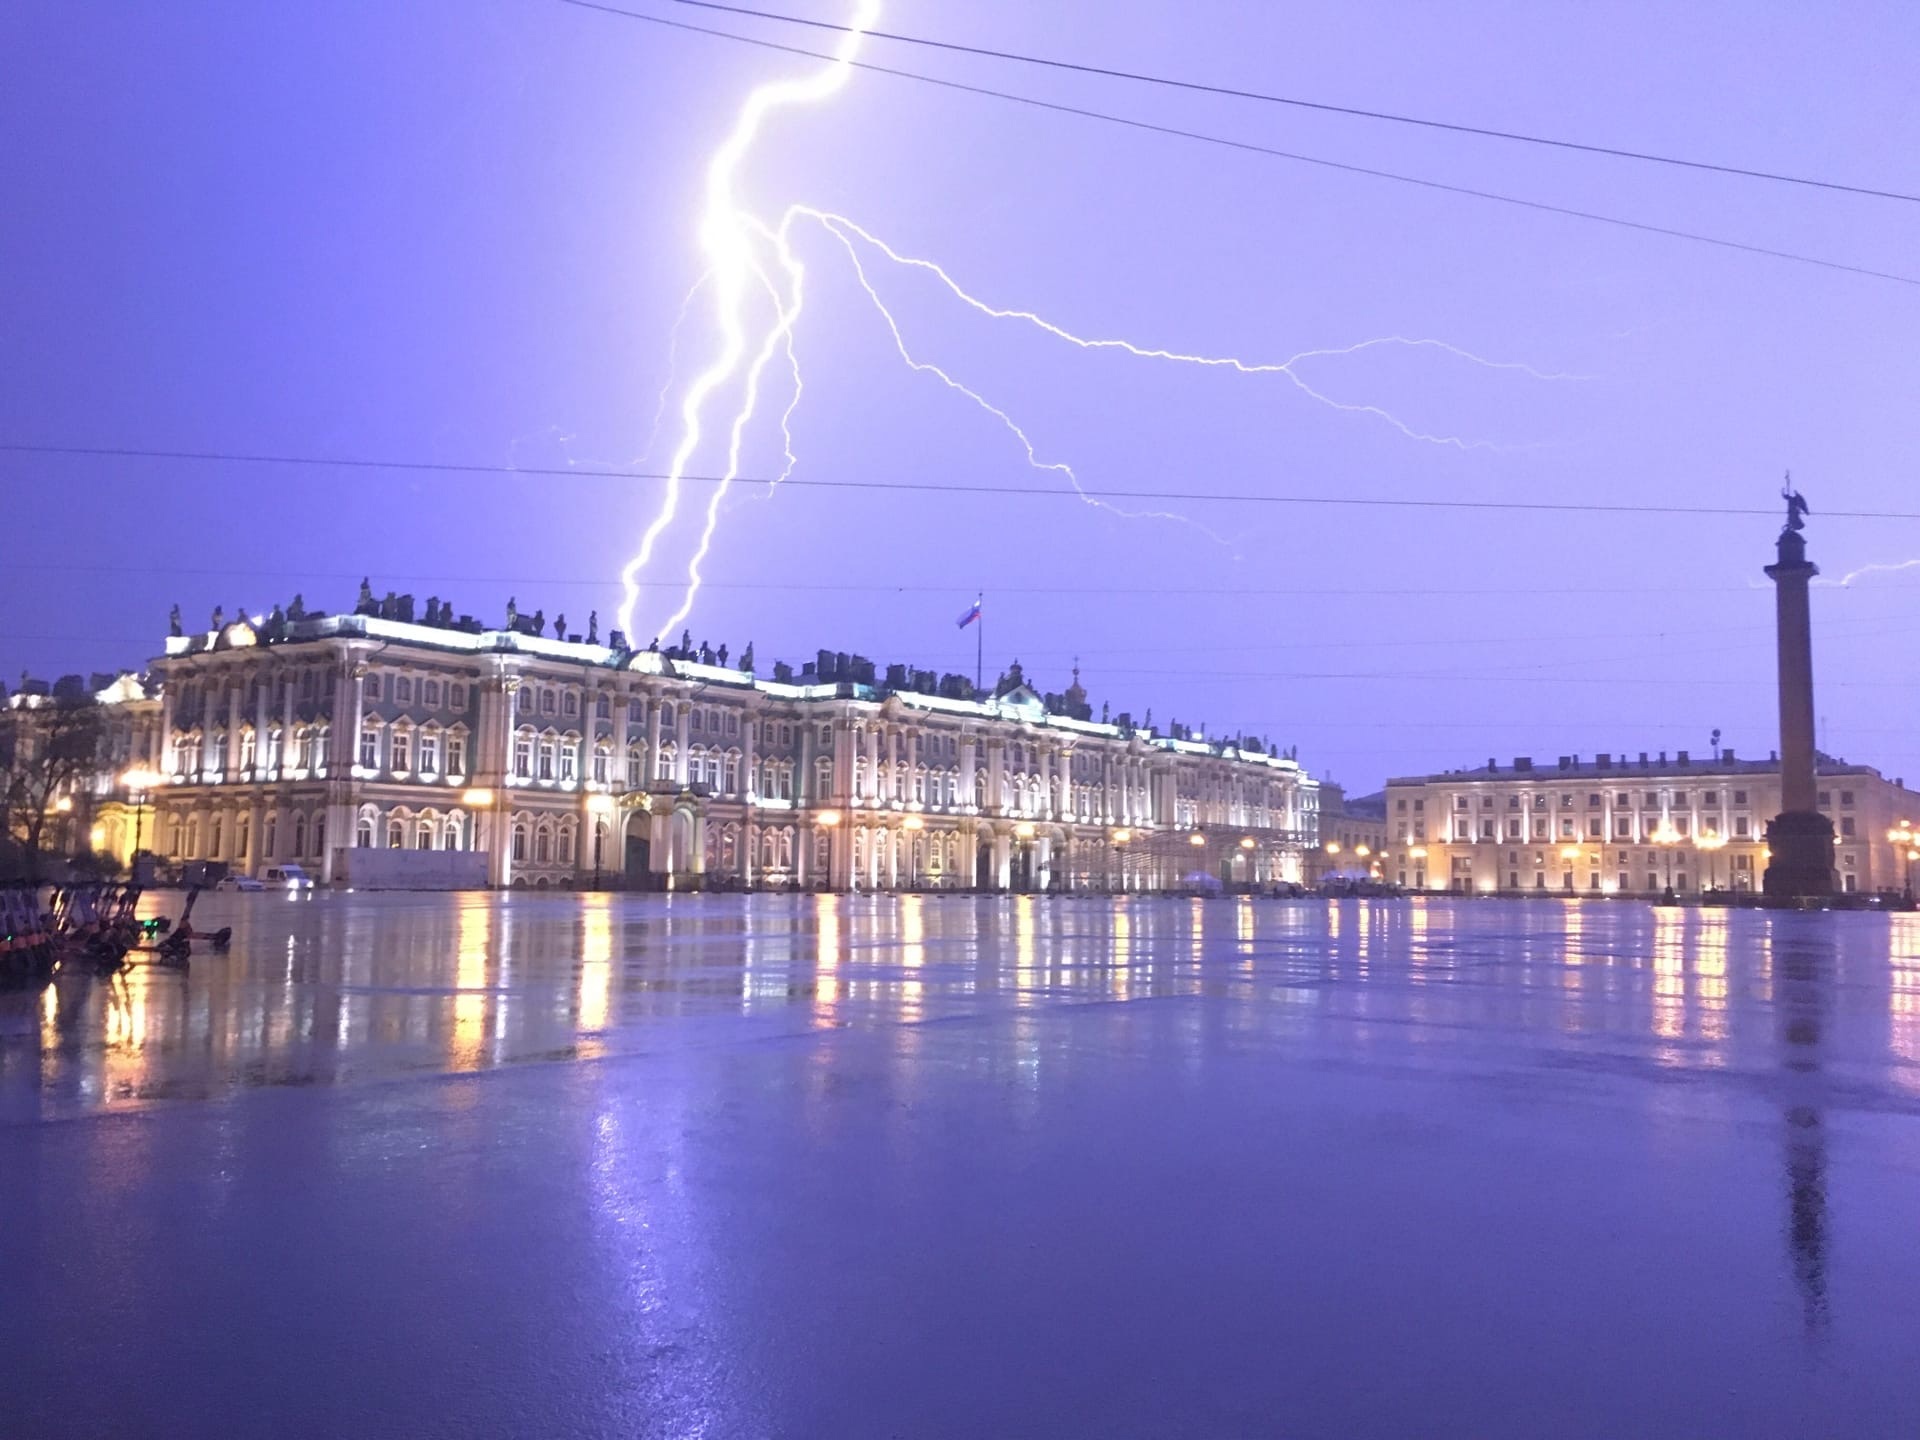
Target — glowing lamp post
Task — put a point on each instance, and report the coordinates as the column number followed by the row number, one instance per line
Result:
column 599, row 807
column 1906, row 842
column 1666, row 837
column 1712, row 843
column 140, row 783
column 1570, row 854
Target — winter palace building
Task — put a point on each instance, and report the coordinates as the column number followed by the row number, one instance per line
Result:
column 561, row 761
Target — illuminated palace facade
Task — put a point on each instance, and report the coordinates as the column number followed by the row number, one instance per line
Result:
column 1633, row 825
column 566, row 762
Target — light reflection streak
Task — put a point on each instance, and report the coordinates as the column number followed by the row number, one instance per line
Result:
column 596, row 963
column 826, row 985
column 473, row 940
column 1903, row 997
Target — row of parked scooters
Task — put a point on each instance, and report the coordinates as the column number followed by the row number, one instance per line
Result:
column 95, row 927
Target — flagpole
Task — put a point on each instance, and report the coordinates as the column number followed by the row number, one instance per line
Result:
column 979, row 640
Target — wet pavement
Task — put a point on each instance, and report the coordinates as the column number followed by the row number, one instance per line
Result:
column 720, row 1166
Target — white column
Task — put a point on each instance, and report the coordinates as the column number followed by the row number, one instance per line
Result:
column 682, row 721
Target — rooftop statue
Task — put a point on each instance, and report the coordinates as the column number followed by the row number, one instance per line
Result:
column 1797, row 509
column 173, row 621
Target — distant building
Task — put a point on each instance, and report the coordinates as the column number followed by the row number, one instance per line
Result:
column 1353, row 837
column 303, row 736
column 1620, row 824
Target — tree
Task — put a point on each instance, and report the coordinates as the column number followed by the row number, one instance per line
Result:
column 48, row 749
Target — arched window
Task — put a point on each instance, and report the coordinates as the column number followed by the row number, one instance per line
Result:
column 566, row 844
column 569, row 760
column 523, row 754
column 451, row 837
column 548, row 742
column 423, row 833
column 520, row 840
column 363, row 833
column 730, row 775
column 823, row 778
column 396, row 833
column 602, row 708
column 663, row 766
column 300, row 834
column 602, row 759
column 213, row 841
column 400, row 750
column 636, row 766
column 543, row 845
column 427, row 752
column 269, row 833
column 320, row 833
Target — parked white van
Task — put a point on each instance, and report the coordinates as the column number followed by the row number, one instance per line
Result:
column 288, row 877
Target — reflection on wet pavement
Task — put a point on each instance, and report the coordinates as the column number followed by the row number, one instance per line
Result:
column 1116, row 1167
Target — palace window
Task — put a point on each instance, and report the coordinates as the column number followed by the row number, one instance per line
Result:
column 572, row 705
column 566, row 846
column 372, row 687
column 636, row 767
column 636, row 712
column 523, row 755
column 396, row 834
column 429, row 754
column 543, row 846
column 525, row 705
column 369, row 748
column 456, row 754
column 546, row 757
column 602, row 761
column 822, row 778
column 663, row 763
column 398, row 749
column 569, row 761
column 603, row 708
column 519, row 840
column 546, row 702
column 423, row 834
column 403, row 690
column 457, row 696
column 430, row 692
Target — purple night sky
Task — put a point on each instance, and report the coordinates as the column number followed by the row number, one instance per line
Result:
column 458, row 231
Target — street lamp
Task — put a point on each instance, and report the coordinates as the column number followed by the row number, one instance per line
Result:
column 1906, row 842
column 139, row 782
column 1666, row 837
column 1712, row 843
column 599, row 807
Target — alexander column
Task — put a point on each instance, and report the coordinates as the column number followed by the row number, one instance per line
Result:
column 1799, row 838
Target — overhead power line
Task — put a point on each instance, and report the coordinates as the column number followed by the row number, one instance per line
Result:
column 1252, row 148
column 1267, row 98
column 925, row 487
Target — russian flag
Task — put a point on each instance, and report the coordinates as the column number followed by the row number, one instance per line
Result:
column 973, row 614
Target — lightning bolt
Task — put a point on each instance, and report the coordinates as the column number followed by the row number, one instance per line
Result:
column 727, row 237
column 745, row 256
column 1877, row 568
